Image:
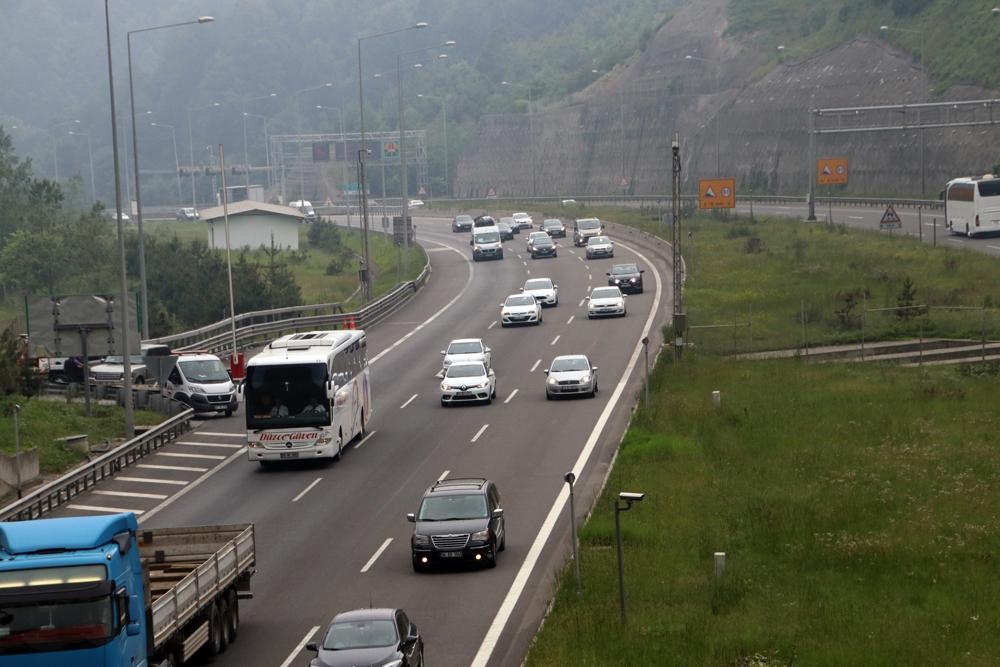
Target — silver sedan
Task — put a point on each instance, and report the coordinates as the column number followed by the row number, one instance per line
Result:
column 569, row 375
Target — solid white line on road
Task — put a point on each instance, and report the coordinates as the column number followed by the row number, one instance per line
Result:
column 956, row 240
column 150, row 480
column 208, row 444
column 371, row 561
column 365, row 439
column 503, row 614
column 222, row 435
column 444, row 474
column 307, row 489
column 131, row 494
column 479, row 432
column 409, row 400
column 111, row 510
column 492, row 324
column 178, row 455
column 468, row 281
column 535, row 366
column 152, row 466
column 570, row 320
column 554, row 340
column 301, row 645
column 512, row 395
column 180, row 494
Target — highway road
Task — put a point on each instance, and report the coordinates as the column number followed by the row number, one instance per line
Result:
column 334, row 537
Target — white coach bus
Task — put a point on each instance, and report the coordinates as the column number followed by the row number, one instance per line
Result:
column 307, row 395
column 972, row 205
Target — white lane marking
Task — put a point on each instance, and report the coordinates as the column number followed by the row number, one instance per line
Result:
column 570, row 320
column 554, row 340
column 152, row 466
column 221, row 435
column 590, row 277
column 479, row 432
column 956, row 240
column 535, row 366
column 492, row 324
column 371, row 561
column 512, row 395
column 929, row 224
column 150, row 480
column 518, row 254
column 298, row 647
column 364, row 439
column 208, row 444
column 852, row 217
column 178, row 455
column 528, row 272
column 503, row 614
column 408, row 401
column 523, row 262
column 582, row 301
column 307, row 489
column 589, row 287
column 994, row 247
column 587, row 266
column 433, row 317
column 580, row 258
column 111, row 510
column 180, row 494
column 130, row 494
column 572, row 252
column 444, row 474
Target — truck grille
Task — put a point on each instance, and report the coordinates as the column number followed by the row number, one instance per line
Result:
column 450, row 542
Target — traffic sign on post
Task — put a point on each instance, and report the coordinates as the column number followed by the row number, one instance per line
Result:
column 717, row 193
column 623, row 182
column 422, row 191
column 831, row 171
column 390, row 149
column 491, row 193
column 890, row 219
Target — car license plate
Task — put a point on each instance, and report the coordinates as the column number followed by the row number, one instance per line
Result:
column 289, row 455
column 451, row 554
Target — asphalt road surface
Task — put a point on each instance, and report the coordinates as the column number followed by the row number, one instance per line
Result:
column 335, row 537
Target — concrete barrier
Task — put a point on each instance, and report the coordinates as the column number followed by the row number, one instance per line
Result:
column 30, row 470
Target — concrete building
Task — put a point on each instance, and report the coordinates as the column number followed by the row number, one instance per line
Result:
column 253, row 224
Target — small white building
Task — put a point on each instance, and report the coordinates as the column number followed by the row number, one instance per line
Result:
column 253, row 224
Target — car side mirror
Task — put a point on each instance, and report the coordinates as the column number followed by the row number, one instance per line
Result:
column 586, row 298
column 642, row 270
column 470, row 241
column 490, row 372
column 555, row 287
column 312, row 646
column 489, row 349
column 331, row 389
column 522, row 289
column 497, row 512
column 545, row 370
column 593, row 368
column 608, row 273
column 443, row 352
column 411, row 517
column 133, row 628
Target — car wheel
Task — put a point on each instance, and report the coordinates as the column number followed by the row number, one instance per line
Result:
column 501, row 255
column 491, row 560
column 444, row 403
column 417, row 567
column 140, row 380
column 229, row 412
column 503, row 540
column 593, row 391
column 548, row 396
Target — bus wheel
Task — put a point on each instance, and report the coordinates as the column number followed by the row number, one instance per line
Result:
column 363, row 433
column 340, row 446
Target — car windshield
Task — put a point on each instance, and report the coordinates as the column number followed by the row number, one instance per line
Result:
column 598, row 240
column 463, row 218
column 570, row 364
column 534, row 236
column 552, row 222
column 520, row 300
column 449, row 508
column 622, row 269
column 544, row 241
column 488, row 237
column 520, row 215
column 204, row 372
column 119, row 360
column 588, row 223
column 606, row 293
column 466, row 371
column 507, row 220
column 467, row 347
column 360, row 634
column 538, row 283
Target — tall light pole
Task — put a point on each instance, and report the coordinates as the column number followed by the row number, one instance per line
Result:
column 90, row 153
column 55, row 151
column 267, row 146
column 177, row 164
column 126, row 356
column 920, row 132
column 243, row 116
column 718, row 144
column 531, row 139
column 444, row 114
column 343, row 142
column 361, row 107
column 135, row 164
column 194, row 201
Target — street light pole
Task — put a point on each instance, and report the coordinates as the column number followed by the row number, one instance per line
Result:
column 246, row 158
column 90, row 153
column 444, row 115
column 194, row 202
column 267, row 147
column 177, row 164
column 343, row 164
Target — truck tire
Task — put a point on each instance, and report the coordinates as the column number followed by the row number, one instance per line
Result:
column 214, row 646
column 234, row 615
column 223, row 604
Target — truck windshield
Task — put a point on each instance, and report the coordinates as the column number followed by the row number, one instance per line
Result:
column 287, row 396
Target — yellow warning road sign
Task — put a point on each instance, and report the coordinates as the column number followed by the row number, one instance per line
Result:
column 831, row 171
column 717, row 193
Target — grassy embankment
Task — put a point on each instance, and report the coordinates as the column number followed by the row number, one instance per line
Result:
column 856, row 504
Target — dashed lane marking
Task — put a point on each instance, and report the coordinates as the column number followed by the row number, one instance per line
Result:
column 307, row 489
column 150, row 480
column 153, row 466
column 409, row 400
column 110, row 510
column 371, row 561
column 178, row 455
column 479, row 432
column 512, row 395
column 130, row 494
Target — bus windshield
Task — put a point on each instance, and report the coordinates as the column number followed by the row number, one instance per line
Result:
column 287, row 396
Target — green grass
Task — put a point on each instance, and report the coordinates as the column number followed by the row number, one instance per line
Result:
column 856, row 504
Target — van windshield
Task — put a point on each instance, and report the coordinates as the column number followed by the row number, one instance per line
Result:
column 487, row 237
column 588, row 223
column 210, row 371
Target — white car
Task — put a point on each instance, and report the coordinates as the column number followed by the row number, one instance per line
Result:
column 520, row 309
column 543, row 289
column 570, row 374
column 468, row 383
column 605, row 301
column 112, row 370
column 532, row 236
column 416, row 203
column 523, row 220
column 466, row 350
column 600, row 246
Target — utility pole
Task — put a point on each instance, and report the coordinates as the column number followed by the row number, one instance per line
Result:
column 679, row 319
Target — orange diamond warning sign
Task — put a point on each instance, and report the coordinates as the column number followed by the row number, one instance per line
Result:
column 717, row 193
column 831, row 171
column 890, row 219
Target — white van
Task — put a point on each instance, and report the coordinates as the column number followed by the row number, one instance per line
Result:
column 305, row 208
column 201, row 382
column 972, row 205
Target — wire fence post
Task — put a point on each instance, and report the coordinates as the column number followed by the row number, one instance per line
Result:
column 802, row 318
column 920, row 223
column 934, row 230
column 984, row 335
column 750, row 325
column 864, row 317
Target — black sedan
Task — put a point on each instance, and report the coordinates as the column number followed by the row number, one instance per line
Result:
column 506, row 233
column 554, row 227
column 376, row 637
column 627, row 277
column 543, row 247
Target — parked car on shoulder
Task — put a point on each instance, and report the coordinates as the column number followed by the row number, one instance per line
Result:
column 416, row 203
column 460, row 520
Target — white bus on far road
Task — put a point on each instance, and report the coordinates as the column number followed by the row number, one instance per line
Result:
column 307, row 395
column 972, row 205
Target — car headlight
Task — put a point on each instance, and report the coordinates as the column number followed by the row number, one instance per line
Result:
column 617, row 281
column 421, row 540
column 631, row 280
column 553, row 381
column 444, row 387
column 394, row 663
column 481, row 536
column 585, row 379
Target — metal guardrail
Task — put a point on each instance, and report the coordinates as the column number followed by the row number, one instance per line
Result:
column 61, row 491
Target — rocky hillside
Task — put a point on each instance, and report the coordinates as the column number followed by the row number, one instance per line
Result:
column 723, row 97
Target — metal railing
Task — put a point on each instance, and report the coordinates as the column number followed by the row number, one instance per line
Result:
column 61, row 491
